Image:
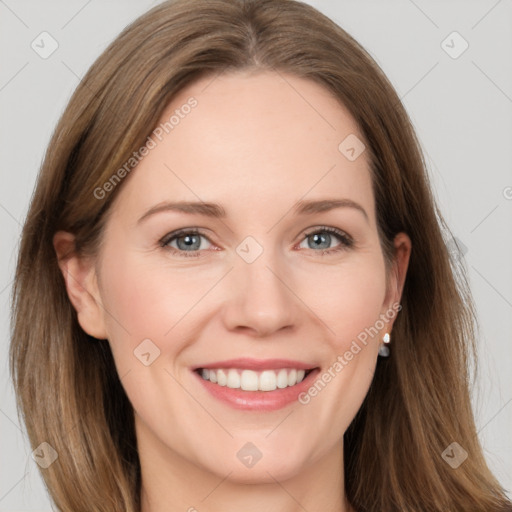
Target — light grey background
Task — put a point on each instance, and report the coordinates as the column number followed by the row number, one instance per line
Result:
column 461, row 108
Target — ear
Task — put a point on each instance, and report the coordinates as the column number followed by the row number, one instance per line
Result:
column 398, row 271
column 81, row 285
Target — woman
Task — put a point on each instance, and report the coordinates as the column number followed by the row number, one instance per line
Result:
column 235, row 274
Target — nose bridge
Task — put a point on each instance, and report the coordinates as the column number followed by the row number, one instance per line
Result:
column 260, row 299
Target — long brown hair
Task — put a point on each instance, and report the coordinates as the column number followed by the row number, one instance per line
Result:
column 68, row 390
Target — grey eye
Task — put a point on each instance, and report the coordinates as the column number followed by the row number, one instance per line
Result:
column 187, row 242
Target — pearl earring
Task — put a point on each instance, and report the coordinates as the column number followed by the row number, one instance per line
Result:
column 384, row 349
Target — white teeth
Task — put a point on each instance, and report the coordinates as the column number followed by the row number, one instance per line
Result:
column 249, row 380
column 282, row 379
column 222, row 378
column 233, row 379
column 267, row 380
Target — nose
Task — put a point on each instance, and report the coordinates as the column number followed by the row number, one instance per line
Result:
column 260, row 299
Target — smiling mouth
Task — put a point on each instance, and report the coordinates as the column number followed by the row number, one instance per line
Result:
column 250, row 380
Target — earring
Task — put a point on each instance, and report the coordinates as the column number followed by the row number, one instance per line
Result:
column 384, row 349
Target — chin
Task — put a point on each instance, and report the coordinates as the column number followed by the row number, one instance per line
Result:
column 248, row 466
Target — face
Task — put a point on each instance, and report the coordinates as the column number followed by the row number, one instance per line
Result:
column 243, row 249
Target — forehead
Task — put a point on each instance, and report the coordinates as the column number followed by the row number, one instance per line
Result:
column 250, row 138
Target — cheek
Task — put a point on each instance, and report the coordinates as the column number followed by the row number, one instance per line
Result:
column 350, row 299
column 350, row 307
column 351, row 311
column 147, row 300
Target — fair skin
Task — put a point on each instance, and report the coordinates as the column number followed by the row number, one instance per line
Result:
column 254, row 146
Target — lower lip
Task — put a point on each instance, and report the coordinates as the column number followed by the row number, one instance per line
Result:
column 258, row 400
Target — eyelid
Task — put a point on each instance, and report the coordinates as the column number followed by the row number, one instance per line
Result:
column 329, row 229
column 183, row 231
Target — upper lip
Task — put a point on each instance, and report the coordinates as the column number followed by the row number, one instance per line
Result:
column 257, row 364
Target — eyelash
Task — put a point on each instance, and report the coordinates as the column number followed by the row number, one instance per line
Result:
column 346, row 241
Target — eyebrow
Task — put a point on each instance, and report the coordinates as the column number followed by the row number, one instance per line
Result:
column 215, row 210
